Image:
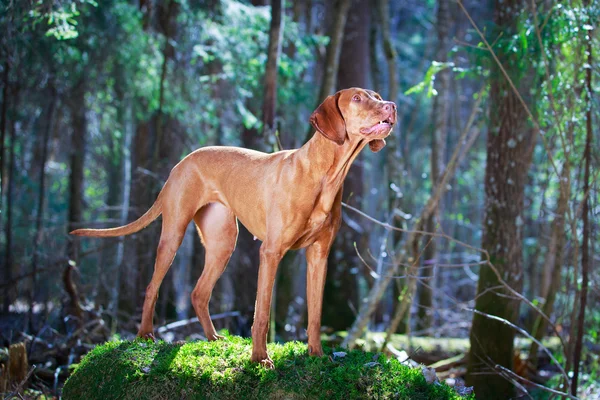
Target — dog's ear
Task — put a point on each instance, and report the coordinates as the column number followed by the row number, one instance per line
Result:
column 328, row 120
column 376, row 145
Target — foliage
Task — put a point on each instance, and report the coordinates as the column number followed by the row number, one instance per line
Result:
column 429, row 79
column 60, row 17
column 222, row 369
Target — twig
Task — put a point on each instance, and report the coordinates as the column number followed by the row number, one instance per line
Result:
column 17, row 390
column 537, row 385
column 500, row 280
column 523, row 332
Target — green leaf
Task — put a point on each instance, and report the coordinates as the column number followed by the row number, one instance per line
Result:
column 429, row 79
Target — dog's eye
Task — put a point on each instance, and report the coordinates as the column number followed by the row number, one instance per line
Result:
column 356, row 97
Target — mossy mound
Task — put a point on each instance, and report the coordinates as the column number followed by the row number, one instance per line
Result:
column 222, row 370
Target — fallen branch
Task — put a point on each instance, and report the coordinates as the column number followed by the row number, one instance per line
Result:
column 449, row 363
column 185, row 322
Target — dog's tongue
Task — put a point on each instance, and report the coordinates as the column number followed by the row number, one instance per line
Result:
column 375, row 127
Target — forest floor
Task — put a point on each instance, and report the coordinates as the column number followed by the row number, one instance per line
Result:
column 54, row 354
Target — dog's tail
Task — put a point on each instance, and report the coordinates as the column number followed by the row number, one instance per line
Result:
column 128, row 229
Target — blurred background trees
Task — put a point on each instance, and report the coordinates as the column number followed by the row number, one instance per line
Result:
column 495, row 153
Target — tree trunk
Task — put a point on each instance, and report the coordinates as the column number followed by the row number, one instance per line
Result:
column 508, row 159
column 341, row 287
column 270, row 94
column 126, row 126
column 585, row 210
column 142, row 191
column 167, row 21
column 109, row 277
column 10, row 195
column 554, row 262
column 140, row 253
column 79, row 126
column 166, row 154
column 391, row 56
column 41, row 201
column 5, row 83
column 440, row 114
column 334, row 48
column 377, row 77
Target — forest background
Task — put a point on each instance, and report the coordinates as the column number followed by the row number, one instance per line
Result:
column 478, row 220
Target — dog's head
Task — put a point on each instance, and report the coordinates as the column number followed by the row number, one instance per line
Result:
column 355, row 113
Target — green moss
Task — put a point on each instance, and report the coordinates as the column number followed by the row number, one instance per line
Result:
column 222, row 370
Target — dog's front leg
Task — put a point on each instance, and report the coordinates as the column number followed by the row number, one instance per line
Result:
column 270, row 256
column 316, row 257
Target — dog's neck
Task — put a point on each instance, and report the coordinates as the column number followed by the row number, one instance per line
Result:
column 328, row 162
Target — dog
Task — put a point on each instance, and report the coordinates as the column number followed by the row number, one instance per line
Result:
column 290, row 199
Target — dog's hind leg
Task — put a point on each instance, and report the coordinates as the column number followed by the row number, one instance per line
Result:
column 218, row 230
column 175, row 221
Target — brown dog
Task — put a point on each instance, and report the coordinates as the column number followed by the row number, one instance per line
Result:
column 289, row 200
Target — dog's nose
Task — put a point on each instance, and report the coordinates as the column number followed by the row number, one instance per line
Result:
column 389, row 106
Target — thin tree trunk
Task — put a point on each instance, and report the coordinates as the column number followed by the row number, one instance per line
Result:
column 165, row 154
column 553, row 261
column 440, row 114
column 142, row 192
column 274, row 51
column 508, row 160
column 297, row 7
column 394, row 160
column 167, row 55
column 142, row 188
column 376, row 73
column 290, row 270
column 41, row 202
column 342, row 284
column 79, row 125
column 334, row 49
column 391, row 56
column 5, row 84
column 585, row 250
column 113, row 304
column 10, row 193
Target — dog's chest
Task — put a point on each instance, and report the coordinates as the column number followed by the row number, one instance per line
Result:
column 312, row 229
column 320, row 218
column 317, row 219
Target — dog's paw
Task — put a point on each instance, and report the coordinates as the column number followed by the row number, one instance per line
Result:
column 315, row 351
column 267, row 363
column 263, row 360
column 146, row 336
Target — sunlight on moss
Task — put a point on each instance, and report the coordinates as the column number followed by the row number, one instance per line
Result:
column 222, row 369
